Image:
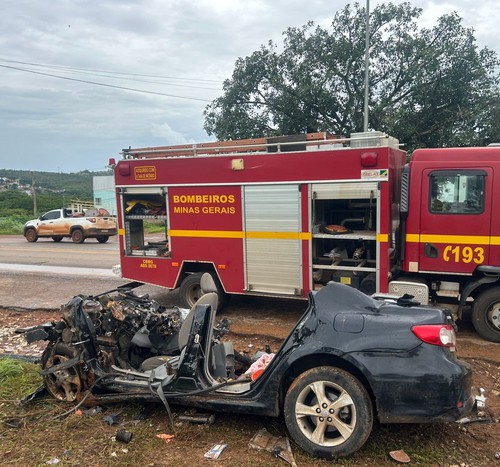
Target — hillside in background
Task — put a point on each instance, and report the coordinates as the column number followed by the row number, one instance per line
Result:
column 53, row 190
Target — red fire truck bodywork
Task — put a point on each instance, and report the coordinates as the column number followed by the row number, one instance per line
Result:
column 269, row 217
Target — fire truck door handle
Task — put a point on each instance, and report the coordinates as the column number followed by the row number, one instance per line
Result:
column 430, row 250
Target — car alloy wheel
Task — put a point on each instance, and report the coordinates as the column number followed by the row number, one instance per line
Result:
column 328, row 412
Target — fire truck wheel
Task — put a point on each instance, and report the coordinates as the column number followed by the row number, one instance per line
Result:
column 77, row 236
column 102, row 238
column 31, row 235
column 57, row 239
column 486, row 314
column 190, row 289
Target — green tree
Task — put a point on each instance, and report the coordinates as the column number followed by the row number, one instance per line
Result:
column 428, row 87
column 15, row 202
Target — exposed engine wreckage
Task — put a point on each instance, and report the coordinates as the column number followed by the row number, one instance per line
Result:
column 113, row 334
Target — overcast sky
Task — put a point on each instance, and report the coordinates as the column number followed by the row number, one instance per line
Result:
column 183, row 50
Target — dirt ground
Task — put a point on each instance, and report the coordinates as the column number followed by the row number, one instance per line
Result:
column 256, row 322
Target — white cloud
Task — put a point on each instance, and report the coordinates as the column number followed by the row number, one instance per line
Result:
column 48, row 123
column 165, row 132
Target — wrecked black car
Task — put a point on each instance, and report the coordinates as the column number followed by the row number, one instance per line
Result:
column 349, row 360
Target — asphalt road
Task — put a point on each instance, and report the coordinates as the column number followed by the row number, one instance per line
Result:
column 14, row 249
column 45, row 274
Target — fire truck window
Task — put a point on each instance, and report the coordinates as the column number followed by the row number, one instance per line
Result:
column 146, row 225
column 457, row 193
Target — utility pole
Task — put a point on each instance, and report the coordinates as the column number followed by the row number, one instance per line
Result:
column 367, row 65
column 33, row 191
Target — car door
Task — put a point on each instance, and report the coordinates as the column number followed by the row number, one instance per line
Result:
column 47, row 223
column 455, row 224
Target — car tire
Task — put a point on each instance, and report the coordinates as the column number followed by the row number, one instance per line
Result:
column 328, row 412
column 66, row 384
column 57, row 239
column 102, row 238
column 77, row 236
column 31, row 235
column 486, row 314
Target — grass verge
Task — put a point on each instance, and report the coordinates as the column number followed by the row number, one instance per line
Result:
column 12, row 225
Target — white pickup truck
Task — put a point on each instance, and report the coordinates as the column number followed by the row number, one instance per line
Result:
column 60, row 223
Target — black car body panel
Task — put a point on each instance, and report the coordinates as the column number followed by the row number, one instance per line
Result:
column 402, row 377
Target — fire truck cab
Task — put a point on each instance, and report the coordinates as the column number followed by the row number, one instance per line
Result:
column 451, row 235
column 283, row 216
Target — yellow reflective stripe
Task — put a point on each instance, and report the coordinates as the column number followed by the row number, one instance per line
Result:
column 121, row 231
column 454, row 239
column 458, row 239
column 238, row 234
column 206, row 233
column 381, row 238
column 280, row 235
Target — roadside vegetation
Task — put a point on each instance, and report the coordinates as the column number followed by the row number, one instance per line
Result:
column 13, row 225
column 153, row 227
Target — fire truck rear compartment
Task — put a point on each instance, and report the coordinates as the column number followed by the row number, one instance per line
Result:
column 344, row 220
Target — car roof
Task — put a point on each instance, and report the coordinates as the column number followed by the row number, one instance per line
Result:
column 339, row 297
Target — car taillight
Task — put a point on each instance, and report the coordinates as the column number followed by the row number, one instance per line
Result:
column 436, row 334
column 92, row 219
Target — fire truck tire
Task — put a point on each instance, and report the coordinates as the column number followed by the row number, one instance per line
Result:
column 190, row 289
column 224, row 299
column 31, row 235
column 486, row 314
column 57, row 238
column 77, row 236
column 102, row 238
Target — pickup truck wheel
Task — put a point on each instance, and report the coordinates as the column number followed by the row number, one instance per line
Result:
column 77, row 236
column 31, row 235
column 102, row 239
column 328, row 412
column 57, row 239
column 486, row 314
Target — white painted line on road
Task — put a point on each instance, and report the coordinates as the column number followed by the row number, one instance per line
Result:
column 90, row 272
column 42, row 250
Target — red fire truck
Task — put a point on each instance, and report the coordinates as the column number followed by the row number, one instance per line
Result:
column 283, row 216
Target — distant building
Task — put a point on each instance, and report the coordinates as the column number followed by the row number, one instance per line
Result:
column 104, row 193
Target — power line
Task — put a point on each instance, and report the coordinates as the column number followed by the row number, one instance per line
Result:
column 106, row 85
column 103, row 75
column 62, row 67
